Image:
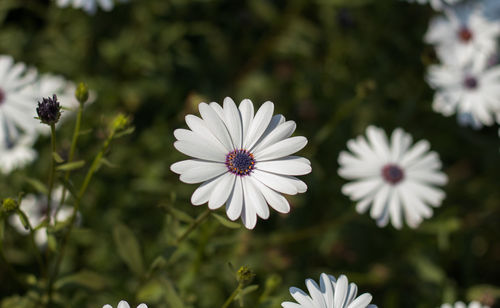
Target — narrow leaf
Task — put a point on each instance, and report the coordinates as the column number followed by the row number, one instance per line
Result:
column 226, row 222
column 58, row 159
column 71, row 166
column 37, row 185
column 85, row 278
column 128, row 249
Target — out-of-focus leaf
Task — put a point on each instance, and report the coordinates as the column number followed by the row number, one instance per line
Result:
column 171, row 295
column 69, row 187
column 57, row 158
column 483, row 291
column 128, row 248
column 71, row 166
column 427, row 270
column 178, row 214
column 226, row 222
column 151, row 292
column 85, row 278
column 37, row 185
column 125, row 132
column 247, row 290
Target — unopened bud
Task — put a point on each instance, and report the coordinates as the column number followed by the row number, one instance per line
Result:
column 49, row 110
column 9, row 204
column 244, row 275
column 82, row 93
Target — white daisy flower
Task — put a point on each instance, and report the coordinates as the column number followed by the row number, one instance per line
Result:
column 124, row 304
column 35, row 208
column 16, row 103
column 466, row 88
column 395, row 178
column 463, row 305
column 16, row 151
column 89, row 6
column 436, row 4
column 465, row 33
column 330, row 293
column 242, row 159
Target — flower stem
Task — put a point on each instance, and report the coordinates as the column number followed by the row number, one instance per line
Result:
column 233, row 295
column 193, row 226
column 93, row 168
column 38, row 255
column 52, row 169
column 76, row 133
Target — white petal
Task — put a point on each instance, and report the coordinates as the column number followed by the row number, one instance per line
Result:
column 415, row 152
column 380, row 201
column 246, row 111
column 232, row 118
column 273, row 198
column 123, row 304
column 221, row 191
column 253, row 197
column 301, row 297
column 259, row 124
column 202, row 194
column 362, row 301
column 395, row 209
column 379, row 142
column 142, row 306
column 292, row 165
column 234, row 205
column 107, row 306
column 340, row 292
column 216, row 125
column 281, row 149
column 362, row 188
column 202, row 172
column 199, row 126
column 276, row 182
column 281, row 132
column 290, row 305
column 248, row 215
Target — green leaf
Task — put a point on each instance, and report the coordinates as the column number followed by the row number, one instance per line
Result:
column 128, row 249
column 37, row 185
column 179, row 215
column 85, row 278
column 24, row 219
column 69, row 186
column 171, row 295
column 247, row 290
column 58, row 159
column 125, row 132
column 226, row 222
column 107, row 163
column 151, row 292
column 85, row 132
column 71, row 166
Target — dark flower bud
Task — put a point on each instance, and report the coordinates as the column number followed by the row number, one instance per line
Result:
column 49, row 110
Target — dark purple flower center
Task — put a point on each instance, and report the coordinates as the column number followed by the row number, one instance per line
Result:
column 2, row 96
column 392, row 174
column 470, row 82
column 465, row 34
column 240, row 162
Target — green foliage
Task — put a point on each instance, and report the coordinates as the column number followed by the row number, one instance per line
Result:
column 333, row 66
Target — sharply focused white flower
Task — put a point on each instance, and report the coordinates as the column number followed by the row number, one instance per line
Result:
column 16, row 151
column 35, row 208
column 395, row 178
column 464, row 33
column 124, row 304
column 90, row 6
column 242, row 159
column 472, row 88
column 463, row 305
column 436, row 4
column 16, row 103
column 330, row 293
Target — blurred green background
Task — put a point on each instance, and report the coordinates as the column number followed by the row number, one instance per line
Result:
column 334, row 67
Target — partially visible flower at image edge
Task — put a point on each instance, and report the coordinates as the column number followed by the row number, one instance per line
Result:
column 395, row 178
column 436, row 4
column 331, row 293
column 242, row 160
column 473, row 304
column 124, row 304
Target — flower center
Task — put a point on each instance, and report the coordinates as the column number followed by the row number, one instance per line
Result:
column 465, row 34
column 392, row 174
column 470, row 82
column 240, row 162
column 2, row 96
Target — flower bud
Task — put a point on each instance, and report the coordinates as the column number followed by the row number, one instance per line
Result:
column 244, row 275
column 82, row 93
column 9, row 204
column 49, row 110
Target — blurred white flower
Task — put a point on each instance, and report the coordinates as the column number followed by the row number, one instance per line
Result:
column 436, row 4
column 330, row 293
column 466, row 34
column 472, row 88
column 395, row 178
column 243, row 160
column 90, row 6
column 16, row 103
column 124, row 304
column 463, row 305
column 16, row 151
column 35, row 208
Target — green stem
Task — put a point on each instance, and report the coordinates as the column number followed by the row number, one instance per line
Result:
column 76, row 133
column 93, row 168
column 193, row 226
column 233, row 295
column 52, row 170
